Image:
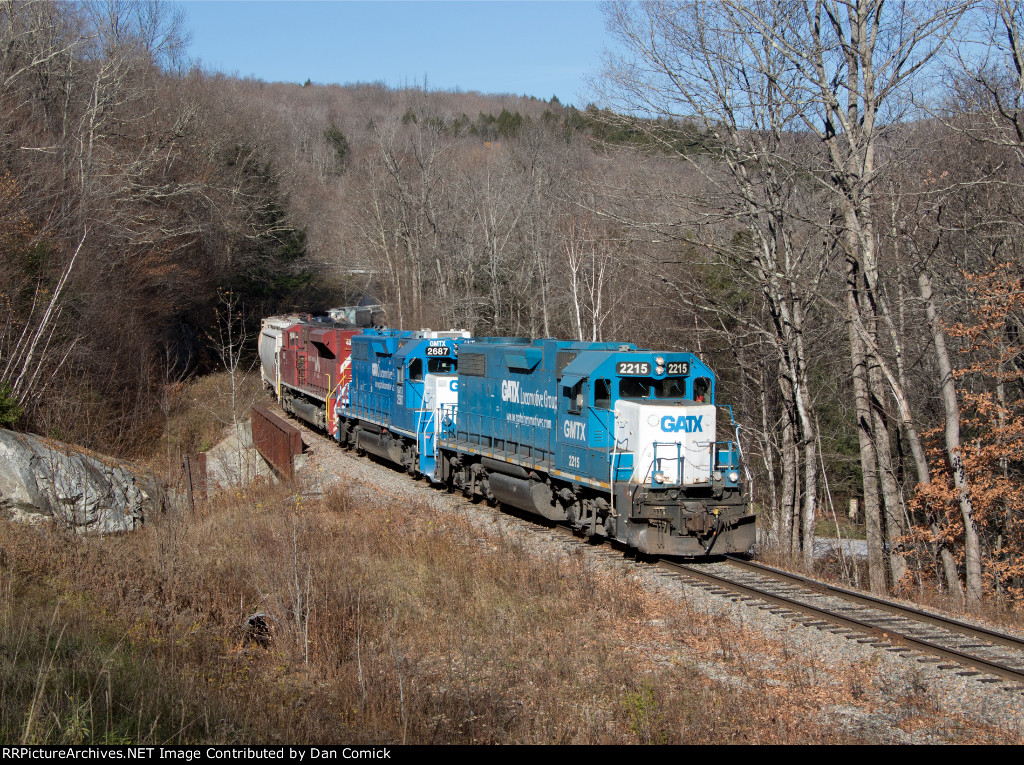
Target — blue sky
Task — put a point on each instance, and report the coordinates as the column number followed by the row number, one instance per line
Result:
column 540, row 48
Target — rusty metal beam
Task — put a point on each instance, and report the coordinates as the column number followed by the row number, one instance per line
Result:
column 278, row 441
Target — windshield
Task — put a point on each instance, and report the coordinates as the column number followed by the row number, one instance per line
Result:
column 648, row 387
column 440, row 366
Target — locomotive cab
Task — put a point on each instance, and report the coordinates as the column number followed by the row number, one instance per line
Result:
column 646, row 424
column 669, row 424
column 683, row 495
column 429, row 387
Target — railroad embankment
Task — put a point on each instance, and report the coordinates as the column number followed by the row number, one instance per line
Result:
column 841, row 687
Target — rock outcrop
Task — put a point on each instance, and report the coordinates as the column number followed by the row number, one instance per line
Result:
column 42, row 479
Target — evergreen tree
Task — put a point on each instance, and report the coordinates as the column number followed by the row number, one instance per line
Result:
column 10, row 412
column 337, row 140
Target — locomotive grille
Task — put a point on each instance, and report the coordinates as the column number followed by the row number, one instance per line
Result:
column 473, row 364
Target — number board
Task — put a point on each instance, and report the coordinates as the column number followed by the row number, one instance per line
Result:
column 437, row 350
column 633, row 368
column 681, row 368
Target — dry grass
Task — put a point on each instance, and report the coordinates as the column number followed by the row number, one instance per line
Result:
column 195, row 413
column 391, row 624
column 840, row 525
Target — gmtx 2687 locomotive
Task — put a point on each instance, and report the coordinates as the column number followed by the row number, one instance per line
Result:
column 617, row 441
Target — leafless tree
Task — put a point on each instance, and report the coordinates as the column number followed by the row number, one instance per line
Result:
column 694, row 63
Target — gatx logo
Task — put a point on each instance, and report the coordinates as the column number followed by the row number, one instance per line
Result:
column 510, row 391
column 682, row 424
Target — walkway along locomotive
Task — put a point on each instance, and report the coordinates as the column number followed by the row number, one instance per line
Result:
column 617, row 441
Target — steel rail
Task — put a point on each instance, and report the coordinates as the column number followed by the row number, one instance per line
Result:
column 887, row 633
column 916, row 614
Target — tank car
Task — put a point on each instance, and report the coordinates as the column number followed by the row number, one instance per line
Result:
column 272, row 331
column 617, row 441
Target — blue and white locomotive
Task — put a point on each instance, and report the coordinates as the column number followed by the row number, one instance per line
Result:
column 400, row 380
column 618, row 442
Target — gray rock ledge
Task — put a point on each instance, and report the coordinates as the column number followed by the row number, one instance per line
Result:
column 43, row 480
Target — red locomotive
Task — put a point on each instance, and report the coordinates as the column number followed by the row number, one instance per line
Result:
column 306, row 360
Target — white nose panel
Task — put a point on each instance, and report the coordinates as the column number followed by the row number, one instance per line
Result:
column 674, row 440
column 440, row 392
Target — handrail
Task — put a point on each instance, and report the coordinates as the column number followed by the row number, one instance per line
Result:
column 739, row 446
column 679, row 460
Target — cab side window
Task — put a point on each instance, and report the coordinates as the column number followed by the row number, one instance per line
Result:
column 416, row 369
column 575, row 396
column 440, row 366
column 702, row 390
column 602, row 394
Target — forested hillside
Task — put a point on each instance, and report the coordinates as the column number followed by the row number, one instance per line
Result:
column 130, row 192
column 821, row 200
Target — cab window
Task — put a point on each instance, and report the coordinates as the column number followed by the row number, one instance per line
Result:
column 634, row 387
column 440, row 366
column 648, row 387
column 416, row 369
column 575, row 396
column 702, row 390
column 670, row 387
column 602, row 394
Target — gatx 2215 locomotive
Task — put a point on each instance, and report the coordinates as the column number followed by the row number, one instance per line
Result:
column 617, row 441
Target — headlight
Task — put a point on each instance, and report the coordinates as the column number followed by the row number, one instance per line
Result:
column 659, row 360
column 659, row 477
column 717, row 475
column 734, row 476
column 660, row 369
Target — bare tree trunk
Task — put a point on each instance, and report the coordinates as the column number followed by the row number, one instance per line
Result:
column 26, row 354
column 810, row 506
column 951, row 408
column 574, row 255
column 794, row 450
column 779, row 532
column 865, row 435
column 808, row 430
column 790, row 530
column 894, row 526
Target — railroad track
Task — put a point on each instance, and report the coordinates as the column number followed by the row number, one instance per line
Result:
column 967, row 649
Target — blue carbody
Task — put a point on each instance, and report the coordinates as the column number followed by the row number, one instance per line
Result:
column 549, row 405
column 616, row 441
column 389, row 369
column 371, row 394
